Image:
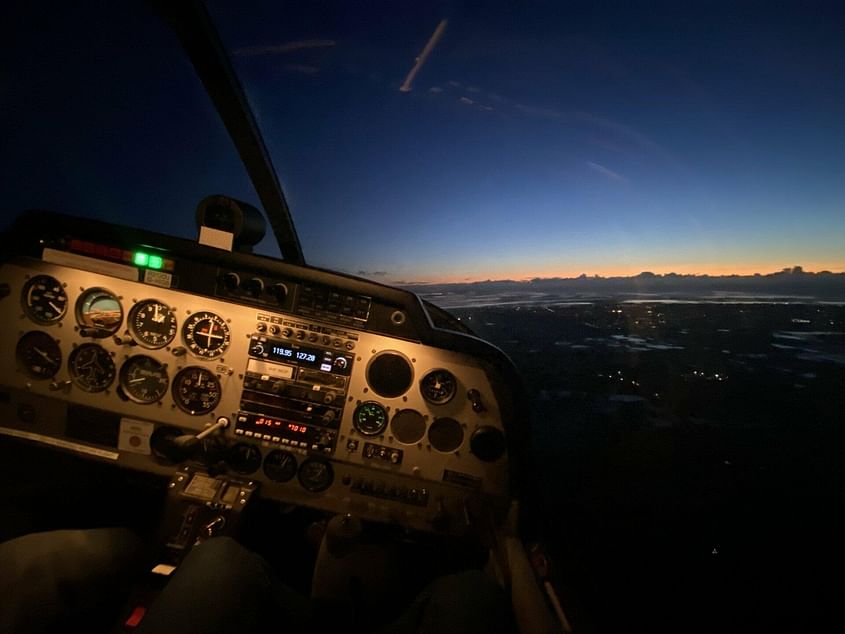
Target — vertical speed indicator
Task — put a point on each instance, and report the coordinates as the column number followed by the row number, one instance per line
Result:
column 206, row 334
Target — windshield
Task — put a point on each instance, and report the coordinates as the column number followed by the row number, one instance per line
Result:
column 641, row 203
column 513, row 141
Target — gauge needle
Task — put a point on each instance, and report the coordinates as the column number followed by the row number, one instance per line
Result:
column 137, row 380
column 157, row 316
column 54, row 307
column 44, row 355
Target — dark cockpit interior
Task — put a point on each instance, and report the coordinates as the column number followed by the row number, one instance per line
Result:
column 362, row 440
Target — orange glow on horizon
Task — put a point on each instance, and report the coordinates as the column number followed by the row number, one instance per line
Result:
column 683, row 269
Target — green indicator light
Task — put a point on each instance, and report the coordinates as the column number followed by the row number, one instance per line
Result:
column 141, row 259
column 156, row 262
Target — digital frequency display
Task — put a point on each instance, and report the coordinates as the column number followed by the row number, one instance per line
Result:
column 280, row 351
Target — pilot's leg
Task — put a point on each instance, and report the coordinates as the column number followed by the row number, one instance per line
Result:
column 67, row 580
column 222, row 587
column 465, row 603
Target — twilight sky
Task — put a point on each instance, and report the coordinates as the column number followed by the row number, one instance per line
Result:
column 532, row 139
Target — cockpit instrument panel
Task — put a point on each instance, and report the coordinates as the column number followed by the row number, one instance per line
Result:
column 339, row 394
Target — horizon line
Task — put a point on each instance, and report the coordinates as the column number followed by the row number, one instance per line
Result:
column 789, row 270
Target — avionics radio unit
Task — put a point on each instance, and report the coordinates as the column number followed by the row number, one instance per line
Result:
column 293, row 395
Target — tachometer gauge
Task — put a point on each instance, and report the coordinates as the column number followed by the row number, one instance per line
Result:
column 39, row 354
column 44, row 300
column 196, row 390
column 369, row 418
column 143, row 379
column 206, row 334
column 315, row 475
column 152, row 323
column 91, row 367
column 98, row 312
column 438, row 386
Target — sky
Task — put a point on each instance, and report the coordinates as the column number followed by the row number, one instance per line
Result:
column 459, row 141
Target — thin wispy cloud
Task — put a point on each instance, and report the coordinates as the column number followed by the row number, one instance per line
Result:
column 606, row 171
column 423, row 56
column 286, row 47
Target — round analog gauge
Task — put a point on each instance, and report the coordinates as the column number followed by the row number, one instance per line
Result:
column 206, row 334
column 196, row 390
column 39, row 354
column 369, row 418
column 438, row 386
column 315, row 475
column 280, row 466
column 99, row 312
column 44, row 300
column 243, row 457
column 91, row 367
column 143, row 379
column 152, row 323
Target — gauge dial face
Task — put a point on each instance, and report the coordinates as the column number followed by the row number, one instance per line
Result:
column 315, row 475
column 196, row 390
column 438, row 386
column 280, row 466
column 99, row 311
column 243, row 457
column 152, row 323
column 44, row 300
column 206, row 335
column 369, row 418
column 91, row 367
column 143, row 379
column 39, row 354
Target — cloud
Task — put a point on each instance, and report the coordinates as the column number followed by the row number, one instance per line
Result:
column 435, row 89
column 363, row 273
column 466, row 100
column 604, row 171
column 286, row 47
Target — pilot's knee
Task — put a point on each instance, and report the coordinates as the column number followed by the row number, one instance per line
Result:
column 222, row 554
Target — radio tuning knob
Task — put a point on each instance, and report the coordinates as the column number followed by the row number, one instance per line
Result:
column 274, row 329
column 313, row 337
column 287, row 332
column 300, row 335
